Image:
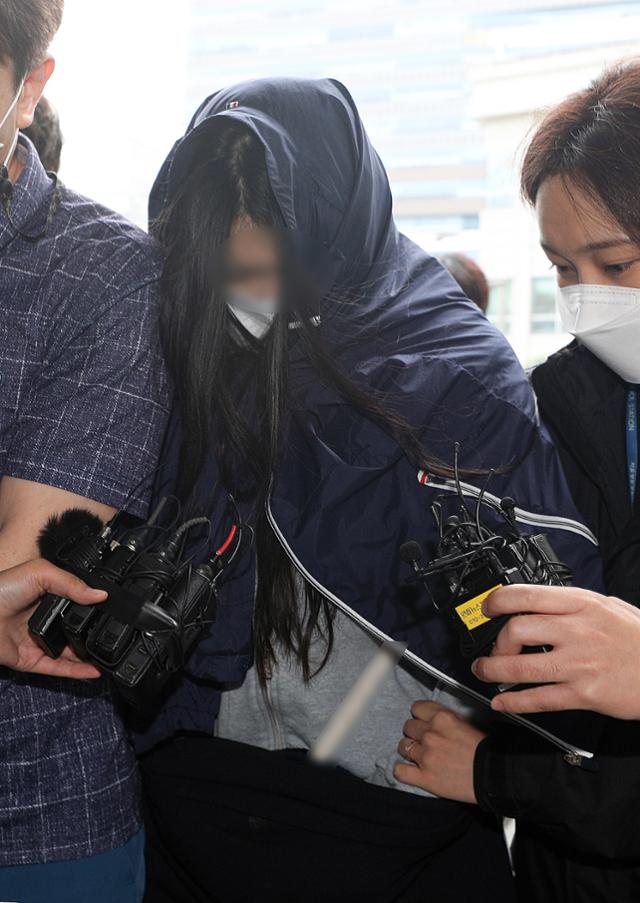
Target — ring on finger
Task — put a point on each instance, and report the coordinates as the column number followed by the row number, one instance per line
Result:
column 409, row 746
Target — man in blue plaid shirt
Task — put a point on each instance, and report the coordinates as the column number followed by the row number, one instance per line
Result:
column 82, row 413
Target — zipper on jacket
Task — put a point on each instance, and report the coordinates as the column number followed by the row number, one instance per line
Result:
column 575, row 754
column 550, row 521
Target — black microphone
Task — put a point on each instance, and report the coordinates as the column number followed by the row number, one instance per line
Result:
column 62, row 532
column 410, row 552
column 75, row 541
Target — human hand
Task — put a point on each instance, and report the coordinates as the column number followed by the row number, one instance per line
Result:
column 20, row 591
column 441, row 747
column 595, row 660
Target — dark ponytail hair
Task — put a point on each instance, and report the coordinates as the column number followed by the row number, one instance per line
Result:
column 214, row 375
column 592, row 140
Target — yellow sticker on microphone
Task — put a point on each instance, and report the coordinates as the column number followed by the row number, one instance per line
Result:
column 470, row 612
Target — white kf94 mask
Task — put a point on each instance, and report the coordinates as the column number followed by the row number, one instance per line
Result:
column 606, row 320
column 256, row 315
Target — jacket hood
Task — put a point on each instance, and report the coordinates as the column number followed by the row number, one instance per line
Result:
column 327, row 178
column 381, row 292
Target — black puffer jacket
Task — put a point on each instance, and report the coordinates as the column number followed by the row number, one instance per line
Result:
column 583, row 403
column 578, row 838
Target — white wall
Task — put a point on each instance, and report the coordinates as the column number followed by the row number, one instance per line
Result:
column 119, row 88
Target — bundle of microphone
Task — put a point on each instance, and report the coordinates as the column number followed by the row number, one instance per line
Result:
column 159, row 601
column 472, row 560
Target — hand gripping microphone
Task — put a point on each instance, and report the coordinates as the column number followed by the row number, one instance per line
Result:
column 158, row 603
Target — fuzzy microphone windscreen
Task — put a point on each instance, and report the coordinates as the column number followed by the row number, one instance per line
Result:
column 63, row 530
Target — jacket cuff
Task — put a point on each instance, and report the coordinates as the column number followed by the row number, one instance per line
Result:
column 509, row 771
column 490, row 779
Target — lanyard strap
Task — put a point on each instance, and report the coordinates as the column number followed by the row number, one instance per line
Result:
column 632, row 441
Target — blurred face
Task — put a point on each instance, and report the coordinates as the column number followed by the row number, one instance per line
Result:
column 583, row 245
column 21, row 115
column 252, row 262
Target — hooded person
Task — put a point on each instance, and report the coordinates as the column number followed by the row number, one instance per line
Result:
column 327, row 371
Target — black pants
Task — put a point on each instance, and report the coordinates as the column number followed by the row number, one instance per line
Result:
column 229, row 822
column 551, row 873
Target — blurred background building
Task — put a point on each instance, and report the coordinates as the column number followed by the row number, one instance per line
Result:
column 448, row 91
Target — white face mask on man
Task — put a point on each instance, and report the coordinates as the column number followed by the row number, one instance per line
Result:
column 606, row 320
column 255, row 314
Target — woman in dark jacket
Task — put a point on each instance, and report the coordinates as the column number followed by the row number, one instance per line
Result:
column 581, row 174
column 324, row 366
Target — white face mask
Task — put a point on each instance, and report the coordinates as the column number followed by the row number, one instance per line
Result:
column 606, row 320
column 255, row 314
column 13, row 144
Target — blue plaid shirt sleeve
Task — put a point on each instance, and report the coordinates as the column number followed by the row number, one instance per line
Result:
column 92, row 408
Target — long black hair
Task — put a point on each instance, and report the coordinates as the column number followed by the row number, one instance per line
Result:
column 232, row 390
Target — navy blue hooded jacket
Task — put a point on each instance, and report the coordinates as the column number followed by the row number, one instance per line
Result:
column 344, row 496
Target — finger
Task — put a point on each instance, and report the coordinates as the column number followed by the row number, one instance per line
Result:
column 63, row 668
column 505, row 643
column 53, row 580
column 415, row 729
column 425, row 710
column 529, row 630
column 70, row 656
column 532, row 668
column 550, row 698
column 520, row 598
column 408, row 748
column 408, row 774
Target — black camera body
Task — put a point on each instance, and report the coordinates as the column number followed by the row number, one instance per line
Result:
column 157, row 608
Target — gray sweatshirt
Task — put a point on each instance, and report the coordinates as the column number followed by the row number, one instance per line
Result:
column 291, row 713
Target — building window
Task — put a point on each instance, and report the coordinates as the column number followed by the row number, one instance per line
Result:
column 544, row 313
column 500, row 305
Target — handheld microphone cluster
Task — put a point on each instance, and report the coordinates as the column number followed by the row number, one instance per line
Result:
column 472, row 561
column 158, row 606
